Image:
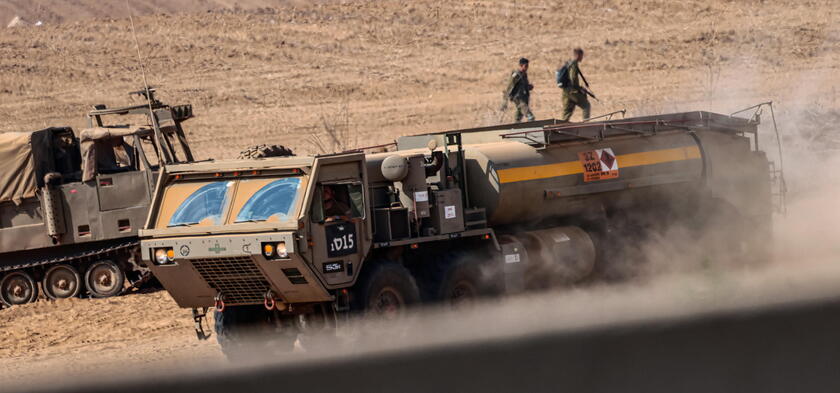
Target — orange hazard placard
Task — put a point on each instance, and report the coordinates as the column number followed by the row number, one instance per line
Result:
column 599, row 164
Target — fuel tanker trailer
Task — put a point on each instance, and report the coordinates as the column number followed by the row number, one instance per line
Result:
column 285, row 244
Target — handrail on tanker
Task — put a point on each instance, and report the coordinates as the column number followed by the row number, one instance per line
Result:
column 758, row 110
column 363, row 148
column 607, row 115
column 604, row 125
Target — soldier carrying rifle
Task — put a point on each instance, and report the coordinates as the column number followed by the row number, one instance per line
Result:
column 519, row 92
column 568, row 79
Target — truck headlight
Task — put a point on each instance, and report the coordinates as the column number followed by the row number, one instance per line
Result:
column 275, row 250
column 164, row 256
column 281, row 250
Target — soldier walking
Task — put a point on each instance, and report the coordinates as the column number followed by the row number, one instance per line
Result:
column 519, row 91
column 568, row 79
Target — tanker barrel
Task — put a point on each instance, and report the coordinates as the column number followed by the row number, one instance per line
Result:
column 519, row 184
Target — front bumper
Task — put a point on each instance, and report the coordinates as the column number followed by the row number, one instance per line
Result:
column 233, row 265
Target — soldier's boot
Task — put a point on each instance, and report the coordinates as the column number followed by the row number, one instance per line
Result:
column 530, row 116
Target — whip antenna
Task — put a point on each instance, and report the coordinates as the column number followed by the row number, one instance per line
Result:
column 164, row 155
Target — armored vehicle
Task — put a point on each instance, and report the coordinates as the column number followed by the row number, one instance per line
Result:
column 71, row 205
column 445, row 216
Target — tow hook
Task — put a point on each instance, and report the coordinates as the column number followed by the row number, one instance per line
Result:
column 198, row 318
column 271, row 302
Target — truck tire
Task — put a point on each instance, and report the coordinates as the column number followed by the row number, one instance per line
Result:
column 263, row 151
column 61, row 282
column 386, row 290
column 318, row 329
column 247, row 333
column 464, row 282
column 17, row 288
column 104, row 279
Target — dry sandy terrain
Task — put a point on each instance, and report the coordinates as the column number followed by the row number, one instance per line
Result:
column 388, row 68
column 81, row 336
column 383, row 69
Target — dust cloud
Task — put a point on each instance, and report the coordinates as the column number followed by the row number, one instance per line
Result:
column 675, row 283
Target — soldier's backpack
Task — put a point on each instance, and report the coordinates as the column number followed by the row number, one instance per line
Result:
column 562, row 76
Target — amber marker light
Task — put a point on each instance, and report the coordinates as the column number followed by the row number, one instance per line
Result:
column 268, row 250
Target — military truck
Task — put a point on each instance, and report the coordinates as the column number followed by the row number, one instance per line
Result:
column 71, row 205
column 279, row 243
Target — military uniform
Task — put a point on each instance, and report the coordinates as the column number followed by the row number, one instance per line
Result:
column 519, row 91
column 573, row 95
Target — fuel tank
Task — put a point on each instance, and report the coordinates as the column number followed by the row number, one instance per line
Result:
column 519, row 184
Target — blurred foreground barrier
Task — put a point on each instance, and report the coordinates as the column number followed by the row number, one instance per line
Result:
column 789, row 348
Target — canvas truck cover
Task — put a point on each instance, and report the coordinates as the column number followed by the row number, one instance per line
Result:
column 17, row 176
column 25, row 157
column 105, row 137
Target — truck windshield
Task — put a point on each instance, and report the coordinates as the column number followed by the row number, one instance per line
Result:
column 206, row 203
column 274, row 200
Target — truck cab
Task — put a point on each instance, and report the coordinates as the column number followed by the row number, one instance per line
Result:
column 286, row 230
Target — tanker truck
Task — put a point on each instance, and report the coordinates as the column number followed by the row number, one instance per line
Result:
column 277, row 244
column 71, row 205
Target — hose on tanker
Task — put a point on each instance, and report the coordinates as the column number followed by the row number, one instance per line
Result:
column 702, row 153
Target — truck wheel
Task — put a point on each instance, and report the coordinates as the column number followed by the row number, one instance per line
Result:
column 61, row 282
column 18, row 288
column 464, row 282
column 386, row 290
column 104, row 279
column 249, row 332
column 318, row 329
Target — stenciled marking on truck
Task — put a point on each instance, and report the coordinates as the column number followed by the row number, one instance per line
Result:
column 341, row 239
column 537, row 172
column 598, row 164
column 333, row 267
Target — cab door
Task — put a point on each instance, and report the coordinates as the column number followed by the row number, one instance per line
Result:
column 340, row 231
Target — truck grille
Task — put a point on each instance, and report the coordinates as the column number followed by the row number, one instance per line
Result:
column 238, row 278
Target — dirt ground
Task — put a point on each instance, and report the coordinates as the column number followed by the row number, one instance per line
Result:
column 376, row 70
column 371, row 71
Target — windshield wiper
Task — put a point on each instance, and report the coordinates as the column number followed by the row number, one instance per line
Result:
column 250, row 220
column 183, row 224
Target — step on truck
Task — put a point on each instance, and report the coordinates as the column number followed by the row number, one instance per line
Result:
column 71, row 204
column 446, row 217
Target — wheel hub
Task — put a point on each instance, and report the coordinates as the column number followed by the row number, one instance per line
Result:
column 18, row 290
column 104, row 279
column 463, row 292
column 388, row 303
